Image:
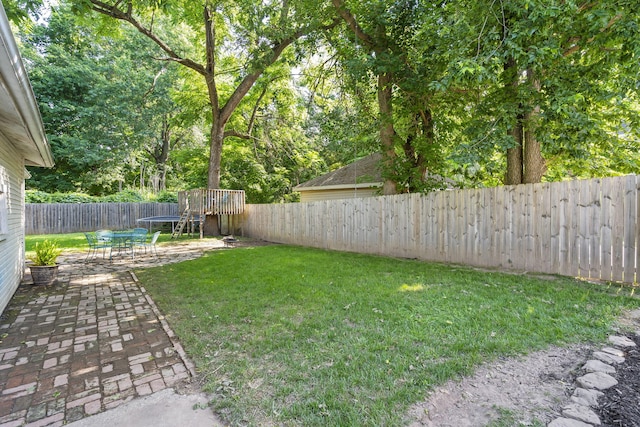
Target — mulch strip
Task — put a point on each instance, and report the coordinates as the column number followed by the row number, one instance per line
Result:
column 620, row 405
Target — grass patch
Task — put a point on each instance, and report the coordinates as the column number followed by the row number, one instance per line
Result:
column 66, row 242
column 77, row 242
column 294, row 336
column 509, row 418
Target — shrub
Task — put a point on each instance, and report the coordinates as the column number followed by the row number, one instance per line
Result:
column 36, row 196
column 126, row 196
column 167, row 197
column 46, row 253
column 71, row 198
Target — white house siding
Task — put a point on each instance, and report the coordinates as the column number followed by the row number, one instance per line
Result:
column 12, row 241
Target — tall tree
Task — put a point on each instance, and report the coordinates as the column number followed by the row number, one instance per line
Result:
column 536, row 62
column 98, row 108
column 256, row 34
column 385, row 31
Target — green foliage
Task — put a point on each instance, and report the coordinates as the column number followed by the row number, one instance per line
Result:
column 580, row 53
column 167, row 197
column 45, row 253
column 36, row 196
column 117, row 119
column 126, row 196
column 190, row 164
column 106, row 107
column 19, row 11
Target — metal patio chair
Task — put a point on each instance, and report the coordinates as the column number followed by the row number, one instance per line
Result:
column 95, row 245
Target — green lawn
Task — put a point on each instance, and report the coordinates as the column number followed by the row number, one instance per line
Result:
column 292, row 336
column 67, row 242
column 77, row 242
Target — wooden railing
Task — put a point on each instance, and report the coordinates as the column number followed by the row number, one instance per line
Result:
column 212, row 202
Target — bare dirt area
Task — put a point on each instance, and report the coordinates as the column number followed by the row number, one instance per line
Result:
column 531, row 389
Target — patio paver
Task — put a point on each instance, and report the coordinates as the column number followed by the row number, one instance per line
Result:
column 90, row 343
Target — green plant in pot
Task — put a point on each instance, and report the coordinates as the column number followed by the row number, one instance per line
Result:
column 44, row 266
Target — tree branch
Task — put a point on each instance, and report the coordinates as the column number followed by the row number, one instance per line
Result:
column 155, row 81
column 115, row 12
column 268, row 58
column 252, row 120
column 210, row 43
column 239, row 135
column 574, row 41
column 348, row 17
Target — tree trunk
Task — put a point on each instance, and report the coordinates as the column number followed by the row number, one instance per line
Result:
column 162, row 177
column 534, row 164
column 387, row 132
column 514, row 156
column 385, row 93
column 430, row 138
column 422, row 124
column 215, row 154
column 162, row 157
column 221, row 114
column 211, row 227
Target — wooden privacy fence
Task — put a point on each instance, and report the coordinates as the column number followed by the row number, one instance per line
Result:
column 46, row 218
column 585, row 228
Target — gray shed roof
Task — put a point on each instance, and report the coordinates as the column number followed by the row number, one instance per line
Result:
column 364, row 172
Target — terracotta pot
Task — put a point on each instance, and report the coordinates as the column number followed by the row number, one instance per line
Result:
column 44, row 274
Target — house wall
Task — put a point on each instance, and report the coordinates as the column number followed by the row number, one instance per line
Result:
column 335, row 194
column 12, row 259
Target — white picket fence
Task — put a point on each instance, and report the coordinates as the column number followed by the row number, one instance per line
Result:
column 585, row 228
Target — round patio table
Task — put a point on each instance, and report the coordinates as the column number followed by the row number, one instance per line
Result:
column 125, row 240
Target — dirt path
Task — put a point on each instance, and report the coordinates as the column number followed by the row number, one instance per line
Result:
column 531, row 388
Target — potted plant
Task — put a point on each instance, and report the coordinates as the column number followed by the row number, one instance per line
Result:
column 44, row 268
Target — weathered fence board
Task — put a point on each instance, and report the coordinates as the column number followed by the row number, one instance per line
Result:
column 574, row 211
column 52, row 218
column 630, row 220
column 606, row 230
column 583, row 229
column 617, row 210
column 575, row 228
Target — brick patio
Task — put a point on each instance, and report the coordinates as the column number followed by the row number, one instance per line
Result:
column 90, row 343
